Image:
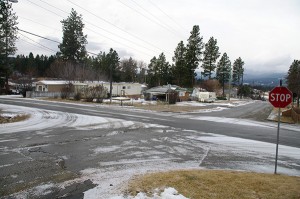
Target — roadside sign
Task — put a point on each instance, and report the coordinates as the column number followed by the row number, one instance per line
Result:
column 280, row 97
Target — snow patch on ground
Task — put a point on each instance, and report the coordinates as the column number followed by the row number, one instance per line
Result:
column 168, row 193
column 43, row 119
column 244, row 122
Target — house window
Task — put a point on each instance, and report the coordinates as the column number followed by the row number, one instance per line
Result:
column 124, row 87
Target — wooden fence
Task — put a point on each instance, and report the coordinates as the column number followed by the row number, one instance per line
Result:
column 295, row 113
column 35, row 94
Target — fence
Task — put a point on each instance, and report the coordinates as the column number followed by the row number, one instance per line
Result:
column 295, row 114
column 35, row 94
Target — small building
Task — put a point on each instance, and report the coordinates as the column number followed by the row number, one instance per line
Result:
column 57, row 86
column 207, row 96
column 183, row 94
column 168, row 93
column 122, row 89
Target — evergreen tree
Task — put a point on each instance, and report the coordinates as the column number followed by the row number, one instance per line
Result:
column 129, row 70
column 142, row 75
column 8, row 37
column 164, row 70
column 223, row 70
column 193, row 56
column 178, row 68
column 238, row 71
column 159, row 71
column 211, row 54
column 73, row 43
column 112, row 61
column 293, row 79
column 152, row 72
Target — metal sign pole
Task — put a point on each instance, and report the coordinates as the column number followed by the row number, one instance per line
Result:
column 278, row 127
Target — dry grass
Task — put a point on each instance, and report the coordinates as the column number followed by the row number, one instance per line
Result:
column 162, row 107
column 198, row 184
column 284, row 119
column 16, row 118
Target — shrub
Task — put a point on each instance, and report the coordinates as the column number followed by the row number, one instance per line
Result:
column 96, row 92
column 77, row 96
column 66, row 91
column 221, row 98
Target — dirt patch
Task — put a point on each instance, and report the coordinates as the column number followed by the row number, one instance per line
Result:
column 219, row 184
column 169, row 108
column 10, row 119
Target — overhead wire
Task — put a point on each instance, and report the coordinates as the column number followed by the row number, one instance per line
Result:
column 38, row 36
column 47, row 39
column 45, row 8
column 41, row 45
column 94, row 26
column 22, row 17
column 166, row 14
column 155, row 17
column 108, row 22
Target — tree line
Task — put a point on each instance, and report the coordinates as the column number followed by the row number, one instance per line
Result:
column 73, row 61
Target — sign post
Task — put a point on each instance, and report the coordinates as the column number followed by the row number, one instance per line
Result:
column 279, row 97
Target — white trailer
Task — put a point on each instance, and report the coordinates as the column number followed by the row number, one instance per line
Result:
column 207, row 96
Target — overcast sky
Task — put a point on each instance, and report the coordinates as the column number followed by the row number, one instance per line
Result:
column 264, row 33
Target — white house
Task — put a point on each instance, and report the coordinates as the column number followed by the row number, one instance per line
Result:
column 132, row 90
column 56, row 86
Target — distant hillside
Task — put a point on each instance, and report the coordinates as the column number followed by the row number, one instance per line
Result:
column 265, row 79
column 256, row 78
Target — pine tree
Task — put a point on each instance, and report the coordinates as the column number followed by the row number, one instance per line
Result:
column 73, row 43
column 293, row 79
column 159, row 71
column 193, row 55
column 178, row 68
column 223, row 70
column 211, row 54
column 8, row 37
column 238, row 71
column 129, row 70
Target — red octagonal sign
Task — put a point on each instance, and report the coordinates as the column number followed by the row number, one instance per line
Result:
column 280, row 97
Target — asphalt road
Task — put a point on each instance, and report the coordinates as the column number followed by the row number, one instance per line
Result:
column 57, row 154
column 288, row 136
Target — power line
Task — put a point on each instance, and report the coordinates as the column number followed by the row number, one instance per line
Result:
column 155, row 17
column 106, row 21
column 166, row 14
column 90, row 24
column 38, row 23
column 54, row 6
column 45, row 9
column 47, row 39
column 38, row 36
column 38, row 43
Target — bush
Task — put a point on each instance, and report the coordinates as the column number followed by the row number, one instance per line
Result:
column 97, row 92
column 77, row 96
column 221, row 98
column 66, row 91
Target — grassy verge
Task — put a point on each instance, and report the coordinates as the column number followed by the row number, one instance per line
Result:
column 217, row 184
column 16, row 118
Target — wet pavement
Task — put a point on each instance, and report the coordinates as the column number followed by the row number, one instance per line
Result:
column 94, row 157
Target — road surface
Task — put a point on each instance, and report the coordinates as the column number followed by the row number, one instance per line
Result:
column 75, row 151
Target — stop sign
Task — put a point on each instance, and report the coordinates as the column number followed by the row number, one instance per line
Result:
column 280, row 97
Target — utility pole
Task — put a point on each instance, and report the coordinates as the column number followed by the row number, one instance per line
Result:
column 110, row 80
column 230, row 81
